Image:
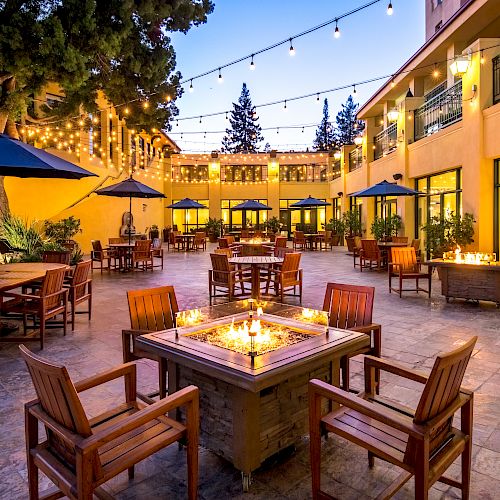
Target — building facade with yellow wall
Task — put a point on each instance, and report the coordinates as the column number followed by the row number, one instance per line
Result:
column 435, row 131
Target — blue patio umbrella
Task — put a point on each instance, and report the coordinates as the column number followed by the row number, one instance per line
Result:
column 130, row 188
column 186, row 204
column 309, row 202
column 18, row 159
column 252, row 205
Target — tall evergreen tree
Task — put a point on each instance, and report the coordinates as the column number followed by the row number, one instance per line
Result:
column 347, row 125
column 245, row 132
column 325, row 135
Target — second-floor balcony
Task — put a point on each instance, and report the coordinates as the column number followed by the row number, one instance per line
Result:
column 355, row 159
column 336, row 169
column 385, row 142
column 441, row 111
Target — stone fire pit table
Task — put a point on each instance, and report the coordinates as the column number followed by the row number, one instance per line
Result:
column 252, row 407
column 468, row 281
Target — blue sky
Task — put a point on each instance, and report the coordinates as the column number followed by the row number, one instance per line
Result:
column 371, row 44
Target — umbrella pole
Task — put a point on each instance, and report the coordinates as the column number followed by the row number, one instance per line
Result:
column 130, row 218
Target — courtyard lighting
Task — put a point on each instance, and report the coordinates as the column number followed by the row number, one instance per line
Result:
column 460, row 65
column 358, row 140
column 393, row 115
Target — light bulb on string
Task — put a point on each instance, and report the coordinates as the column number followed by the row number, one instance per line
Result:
column 291, row 50
column 435, row 73
column 482, row 57
column 336, row 33
column 168, row 98
column 145, row 104
column 390, row 10
column 227, row 118
column 284, row 107
column 317, row 97
column 191, row 88
column 252, row 64
column 354, row 89
column 200, row 119
column 126, row 111
column 393, row 83
column 220, row 79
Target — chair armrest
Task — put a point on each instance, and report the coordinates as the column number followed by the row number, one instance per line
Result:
column 357, row 403
column 184, row 397
column 394, row 368
column 124, row 370
column 366, row 328
column 20, row 295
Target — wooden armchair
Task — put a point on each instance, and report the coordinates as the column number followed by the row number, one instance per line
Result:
column 299, row 240
column 176, row 240
column 142, row 255
column 405, row 266
column 369, row 255
column 101, row 255
column 224, row 276
column 80, row 454
column 245, row 233
column 151, row 310
column 350, row 307
column 422, row 442
column 157, row 251
column 323, row 238
column 80, row 289
column 200, row 240
column 280, row 242
column 287, row 276
column 112, row 241
column 223, row 242
column 49, row 301
column 415, row 243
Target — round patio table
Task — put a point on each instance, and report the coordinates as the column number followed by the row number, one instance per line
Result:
column 123, row 250
column 312, row 239
column 255, row 262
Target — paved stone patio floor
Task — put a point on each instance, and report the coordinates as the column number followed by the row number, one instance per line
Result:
column 414, row 331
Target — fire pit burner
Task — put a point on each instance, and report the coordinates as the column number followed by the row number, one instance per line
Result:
column 251, row 337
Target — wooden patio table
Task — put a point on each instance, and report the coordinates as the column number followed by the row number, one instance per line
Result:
column 17, row 275
column 252, row 407
column 388, row 245
column 124, row 250
column 256, row 262
column 312, row 238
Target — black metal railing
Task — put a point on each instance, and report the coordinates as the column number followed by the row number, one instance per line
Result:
column 303, row 173
column 386, row 141
column 355, row 159
column 439, row 112
column 496, row 80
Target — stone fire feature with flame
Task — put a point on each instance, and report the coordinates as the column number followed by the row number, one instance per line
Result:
column 253, row 375
column 469, row 275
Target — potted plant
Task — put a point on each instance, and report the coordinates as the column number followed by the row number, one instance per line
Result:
column 337, row 227
column 214, row 228
column 273, row 226
column 61, row 233
column 154, row 232
column 384, row 229
column 352, row 226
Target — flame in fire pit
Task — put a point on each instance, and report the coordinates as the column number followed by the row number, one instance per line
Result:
column 477, row 258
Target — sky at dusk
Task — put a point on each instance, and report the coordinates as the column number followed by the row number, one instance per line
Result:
column 371, row 44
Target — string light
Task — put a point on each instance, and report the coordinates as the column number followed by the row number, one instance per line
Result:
column 291, row 50
column 220, row 79
column 393, row 83
column 252, row 64
column 336, row 33
column 482, row 57
column 191, row 88
column 389, row 9
column 354, row 89
column 284, row 107
column 435, row 73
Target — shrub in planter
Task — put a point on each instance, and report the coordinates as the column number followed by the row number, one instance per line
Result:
column 214, row 228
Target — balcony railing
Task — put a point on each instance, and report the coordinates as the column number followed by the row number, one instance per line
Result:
column 303, row 173
column 496, row 80
column 386, row 141
column 336, row 169
column 439, row 112
column 355, row 159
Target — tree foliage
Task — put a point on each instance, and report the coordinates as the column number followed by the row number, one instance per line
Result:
column 347, row 125
column 119, row 47
column 245, row 132
column 325, row 135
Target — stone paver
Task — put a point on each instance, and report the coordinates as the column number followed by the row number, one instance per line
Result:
column 414, row 331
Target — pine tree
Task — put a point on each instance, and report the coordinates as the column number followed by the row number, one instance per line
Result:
column 325, row 135
column 245, row 132
column 347, row 125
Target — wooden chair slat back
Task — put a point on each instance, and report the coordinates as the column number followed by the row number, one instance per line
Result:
column 56, row 257
column 256, row 250
column 230, row 239
column 280, row 242
column 291, row 261
column 405, row 257
column 224, row 251
column 281, row 251
column 349, row 305
column 357, row 242
column 199, row 237
column 52, row 283
column 96, row 245
column 400, row 239
column 299, row 235
column 115, row 240
column 220, row 262
column 416, row 245
column 152, row 309
column 223, row 243
column 441, row 390
column 370, row 249
column 59, row 399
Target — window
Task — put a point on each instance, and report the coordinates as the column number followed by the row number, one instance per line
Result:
column 391, row 206
column 244, row 173
column 441, row 194
column 187, row 220
column 190, row 173
column 337, row 208
column 241, row 218
column 294, row 219
column 303, row 173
